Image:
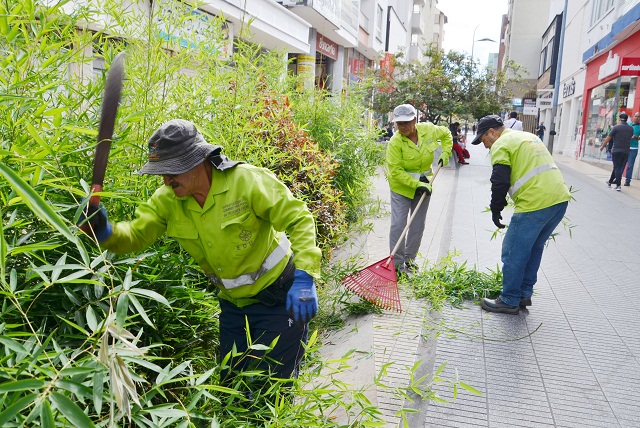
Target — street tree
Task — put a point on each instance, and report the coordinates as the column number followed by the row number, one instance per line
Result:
column 444, row 85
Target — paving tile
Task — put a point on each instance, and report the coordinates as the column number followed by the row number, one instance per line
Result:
column 570, row 360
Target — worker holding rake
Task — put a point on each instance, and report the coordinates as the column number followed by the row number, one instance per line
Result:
column 410, row 155
column 248, row 233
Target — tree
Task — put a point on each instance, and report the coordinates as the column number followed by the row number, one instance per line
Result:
column 445, row 85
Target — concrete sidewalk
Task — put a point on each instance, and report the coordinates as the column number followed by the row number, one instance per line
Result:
column 571, row 360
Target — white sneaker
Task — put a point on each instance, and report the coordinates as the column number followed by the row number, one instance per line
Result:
column 618, row 188
column 608, row 184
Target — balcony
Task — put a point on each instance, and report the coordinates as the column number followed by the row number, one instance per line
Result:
column 417, row 24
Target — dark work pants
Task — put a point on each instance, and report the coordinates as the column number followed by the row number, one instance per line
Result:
column 619, row 160
column 266, row 323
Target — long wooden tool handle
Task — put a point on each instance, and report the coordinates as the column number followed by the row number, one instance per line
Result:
column 415, row 211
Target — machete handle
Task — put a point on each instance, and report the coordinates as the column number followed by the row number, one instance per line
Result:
column 92, row 207
column 95, row 199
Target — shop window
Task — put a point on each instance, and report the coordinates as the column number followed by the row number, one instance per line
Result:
column 379, row 18
column 604, row 106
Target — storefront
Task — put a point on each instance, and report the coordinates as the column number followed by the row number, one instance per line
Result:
column 610, row 89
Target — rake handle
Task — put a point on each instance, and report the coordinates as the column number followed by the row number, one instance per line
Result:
column 415, row 211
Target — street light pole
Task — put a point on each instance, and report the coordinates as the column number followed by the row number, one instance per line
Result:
column 473, row 43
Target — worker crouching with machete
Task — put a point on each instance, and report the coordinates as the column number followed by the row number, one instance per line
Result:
column 244, row 228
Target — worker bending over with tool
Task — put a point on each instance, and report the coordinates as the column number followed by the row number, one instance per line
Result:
column 244, row 228
column 523, row 168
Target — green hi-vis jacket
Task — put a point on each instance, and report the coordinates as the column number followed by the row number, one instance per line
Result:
column 237, row 237
column 536, row 182
column 406, row 160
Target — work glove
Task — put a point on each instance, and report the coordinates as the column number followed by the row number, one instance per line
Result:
column 98, row 221
column 443, row 160
column 496, row 217
column 422, row 188
column 302, row 299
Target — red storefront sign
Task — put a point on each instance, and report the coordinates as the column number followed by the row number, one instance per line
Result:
column 326, row 47
column 630, row 67
column 357, row 66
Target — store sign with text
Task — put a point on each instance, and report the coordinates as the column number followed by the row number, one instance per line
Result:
column 326, row 47
column 630, row 67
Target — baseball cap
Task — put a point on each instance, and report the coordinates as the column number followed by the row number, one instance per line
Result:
column 175, row 148
column 623, row 116
column 486, row 123
column 404, row 113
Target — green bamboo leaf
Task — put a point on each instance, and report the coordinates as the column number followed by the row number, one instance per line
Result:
column 70, row 410
column 140, row 309
column 78, row 389
column 3, row 255
column 86, row 131
column 38, row 205
column 21, row 385
column 92, row 320
column 470, row 388
column 7, row 414
column 150, row 294
column 46, row 415
column 121, row 309
column 127, row 280
column 76, row 326
column 13, row 345
column 98, row 390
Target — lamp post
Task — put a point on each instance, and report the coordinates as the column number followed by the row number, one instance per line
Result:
column 473, row 43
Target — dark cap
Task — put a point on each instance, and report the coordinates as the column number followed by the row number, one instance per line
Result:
column 485, row 124
column 623, row 117
column 175, row 148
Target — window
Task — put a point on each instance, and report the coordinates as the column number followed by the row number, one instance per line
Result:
column 600, row 8
column 379, row 17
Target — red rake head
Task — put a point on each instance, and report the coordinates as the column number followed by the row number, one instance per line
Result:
column 376, row 284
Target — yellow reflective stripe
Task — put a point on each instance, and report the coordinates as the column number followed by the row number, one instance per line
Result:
column 529, row 175
column 276, row 256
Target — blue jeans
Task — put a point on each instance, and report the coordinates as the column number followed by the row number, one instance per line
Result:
column 522, row 250
column 630, row 161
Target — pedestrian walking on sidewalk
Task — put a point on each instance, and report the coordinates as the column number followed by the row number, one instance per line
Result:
column 231, row 217
column 621, row 136
column 523, row 168
column 513, row 122
column 410, row 155
column 633, row 149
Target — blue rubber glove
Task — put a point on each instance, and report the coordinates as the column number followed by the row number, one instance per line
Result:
column 302, row 299
column 98, row 221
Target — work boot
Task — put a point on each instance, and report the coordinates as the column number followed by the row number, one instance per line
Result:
column 498, row 306
column 525, row 301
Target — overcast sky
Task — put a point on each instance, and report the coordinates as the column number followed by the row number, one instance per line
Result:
column 463, row 16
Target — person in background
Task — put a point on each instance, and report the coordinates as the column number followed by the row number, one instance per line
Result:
column 389, row 131
column 540, row 131
column 454, row 128
column 409, row 157
column 524, row 169
column 620, row 135
column 513, row 122
column 633, row 149
column 255, row 241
